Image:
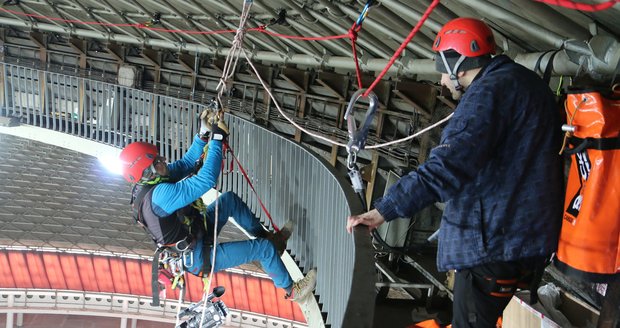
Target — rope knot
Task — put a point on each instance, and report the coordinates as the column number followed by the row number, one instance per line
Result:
column 353, row 31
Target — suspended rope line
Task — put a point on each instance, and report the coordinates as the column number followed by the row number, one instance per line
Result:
column 358, row 72
column 232, row 59
column 330, row 141
column 355, row 28
column 426, row 129
column 413, row 32
column 247, row 178
column 275, row 101
column 179, row 305
column 581, row 6
column 228, row 72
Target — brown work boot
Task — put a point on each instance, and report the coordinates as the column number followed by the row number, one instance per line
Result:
column 302, row 289
column 279, row 238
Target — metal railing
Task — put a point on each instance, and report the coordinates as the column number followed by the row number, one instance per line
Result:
column 293, row 182
column 123, row 306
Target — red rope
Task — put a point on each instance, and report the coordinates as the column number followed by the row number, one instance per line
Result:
column 581, row 6
column 247, row 178
column 353, row 36
column 161, row 29
column 402, row 46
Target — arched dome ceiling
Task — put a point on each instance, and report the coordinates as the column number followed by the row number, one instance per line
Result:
column 194, row 26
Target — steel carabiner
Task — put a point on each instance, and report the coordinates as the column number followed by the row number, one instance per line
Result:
column 357, row 138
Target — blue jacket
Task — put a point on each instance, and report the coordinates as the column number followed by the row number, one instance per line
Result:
column 171, row 196
column 497, row 169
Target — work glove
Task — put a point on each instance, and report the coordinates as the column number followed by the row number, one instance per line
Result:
column 207, row 117
column 219, row 130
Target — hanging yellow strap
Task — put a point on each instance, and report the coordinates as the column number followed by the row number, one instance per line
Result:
column 175, row 281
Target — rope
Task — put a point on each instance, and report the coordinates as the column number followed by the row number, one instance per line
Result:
column 247, row 178
column 402, row 47
column 179, row 305
column 581, row 6
column 275, row 101
column 228, row 72
column 355, row 28
column 233, row 55
column 209, row 279
column 353, row 35
column 426, row 129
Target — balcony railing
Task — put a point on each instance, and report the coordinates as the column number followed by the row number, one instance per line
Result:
column 292, row 181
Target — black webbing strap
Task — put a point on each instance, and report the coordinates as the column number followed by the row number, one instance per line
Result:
column 137, row 198
column 581, row 144
column 549, row 67
column 155, row 277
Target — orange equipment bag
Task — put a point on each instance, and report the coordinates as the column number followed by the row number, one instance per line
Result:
column 589, row 246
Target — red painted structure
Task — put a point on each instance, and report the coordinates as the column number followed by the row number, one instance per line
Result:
column 92, row 273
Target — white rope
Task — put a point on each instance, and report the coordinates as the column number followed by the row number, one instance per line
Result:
column 228, row 72
column 262, row 82
column 207, row 290
column 426, row 129
column 232, row 59
column 330, row 140
column 179, row 304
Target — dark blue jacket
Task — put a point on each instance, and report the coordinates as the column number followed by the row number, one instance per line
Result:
column 497, row 169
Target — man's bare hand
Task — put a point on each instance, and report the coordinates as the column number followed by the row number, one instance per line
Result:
column 372, row 219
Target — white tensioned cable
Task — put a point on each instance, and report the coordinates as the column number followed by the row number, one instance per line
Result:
column 179, row 304
column 230, row 64
column 426, row 129
column 216, row 220
column 417, row 134
column 262, row 82
column 227, row 72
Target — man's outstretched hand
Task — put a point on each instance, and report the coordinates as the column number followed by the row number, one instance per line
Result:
column 372, row 219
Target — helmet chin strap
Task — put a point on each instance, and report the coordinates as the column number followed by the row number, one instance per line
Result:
column 153, row 178
column 453, row 72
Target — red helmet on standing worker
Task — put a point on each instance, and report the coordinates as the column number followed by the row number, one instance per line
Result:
column 463, row 44
column 469, row 37
column 135, row 158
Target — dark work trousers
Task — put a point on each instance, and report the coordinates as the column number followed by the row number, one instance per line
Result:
column 473, row 306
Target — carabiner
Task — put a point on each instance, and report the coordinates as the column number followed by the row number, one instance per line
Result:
column 363, row 14
column 357, row 138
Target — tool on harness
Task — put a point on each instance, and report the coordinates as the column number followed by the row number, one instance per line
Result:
column 214, row 312
column 588, row 248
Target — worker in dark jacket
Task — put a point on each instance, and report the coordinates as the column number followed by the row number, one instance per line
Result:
column 167, row 202
column 497, row 169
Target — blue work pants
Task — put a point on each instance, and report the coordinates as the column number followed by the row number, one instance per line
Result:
column 232, row 254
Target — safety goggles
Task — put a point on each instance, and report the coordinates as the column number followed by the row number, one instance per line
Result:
column 150, row 172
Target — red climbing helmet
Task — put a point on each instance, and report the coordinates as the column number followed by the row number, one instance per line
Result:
column 135, row 158
column 469, row 37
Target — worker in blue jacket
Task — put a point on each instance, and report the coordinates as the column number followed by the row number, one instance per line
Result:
column 167, row 202
column 497, row 169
